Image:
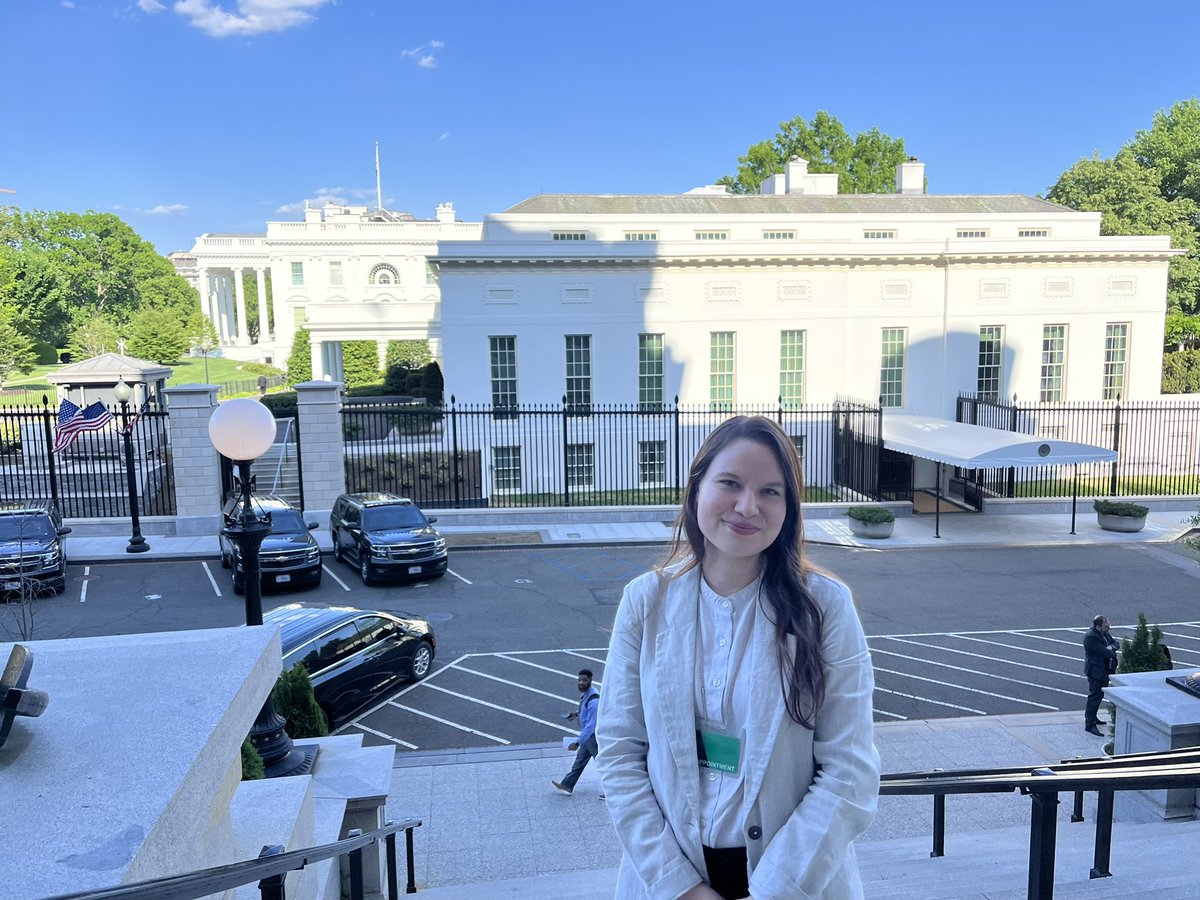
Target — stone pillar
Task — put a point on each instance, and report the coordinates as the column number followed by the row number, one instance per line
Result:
column 226, row 309
column 317, row 356
column 239, row 289
column 196, row 463
column 318, row 408
column 264, row 320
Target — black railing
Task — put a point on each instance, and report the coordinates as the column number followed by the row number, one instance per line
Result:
column 89, row 478
column 270, row 870
column 1106, row 776
column 1155, row 441
column 247, row 386
column 463, row 455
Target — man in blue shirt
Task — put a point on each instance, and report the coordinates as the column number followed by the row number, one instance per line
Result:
column 586, row 746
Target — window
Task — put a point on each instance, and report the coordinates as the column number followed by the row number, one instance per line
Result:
column 581, row 465
column 712, row 235
column 791, row 369
column 641, row 235
column 720, row 370
column 779, row 235
column 991, row 348
column 1116, row 349
column 579, row 370
column 335, row 274
column 297, row 274
column 652, row 462
column 328, row 649
column 506, row 468
column 568, row 235
column 1033, row 232
column 503, row 352
column 431, row 277
column 891, row 367
column 880, row 234
column 383, row 273
column 1054, row 363
column 971, row 233
column 650, row 371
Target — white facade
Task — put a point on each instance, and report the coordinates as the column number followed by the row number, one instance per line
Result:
column 805, row 287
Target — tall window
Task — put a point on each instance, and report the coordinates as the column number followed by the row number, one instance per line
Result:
column 1116, row 349
column 1054, row 363
column 791, row 369
column 652, row 463
column 581, row 465
column 991, row 348
column 891, row 367
column 650, row 371
column 579, row 370
column 506, row 468
column 720, row 370
column 641, row 235
column 430, row 274
column 503, row 351
column 335, row 274
column 297, row 274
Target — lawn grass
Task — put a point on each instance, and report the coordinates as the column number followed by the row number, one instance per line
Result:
column 1127, row 486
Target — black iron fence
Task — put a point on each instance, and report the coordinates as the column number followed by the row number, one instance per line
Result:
column 89, row 478
column 247, row 386
column 1157, row 442
column 463, row 456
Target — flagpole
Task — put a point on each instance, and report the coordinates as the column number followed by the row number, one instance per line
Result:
column 378, row 185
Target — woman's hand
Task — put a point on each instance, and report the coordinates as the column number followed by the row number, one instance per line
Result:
column 701, row 892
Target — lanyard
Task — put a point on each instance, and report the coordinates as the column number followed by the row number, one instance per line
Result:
column 727, row 700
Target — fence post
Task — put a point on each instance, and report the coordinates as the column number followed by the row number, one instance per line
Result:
column 357, row 892
column 319, row 418
column 1104, row 823
column 678, row 450
column 196, row 462
column 1112, row 484
column 50, row 453
column 454, row 469
column 1042, row 836
column 566, row 466
column 1014, row 422
column 878, row 450
column 271, row 887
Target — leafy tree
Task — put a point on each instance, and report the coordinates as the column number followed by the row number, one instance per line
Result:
column 252, row 764
column 1171, row 147
column 409, row 354
column 157, row 335
column 1145, row 652
column 865, row 164
column 299, row 361
column 93, row 338
column 16, row 351
column 296, row 702
column 360, row 363
column 1181, row 372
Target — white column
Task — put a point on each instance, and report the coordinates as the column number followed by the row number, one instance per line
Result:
column 239, row 288
column 226, row 294
column 317, row 355
column 264, row 328
column 203, row 286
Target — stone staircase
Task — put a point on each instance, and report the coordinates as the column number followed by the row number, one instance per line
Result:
column 274, row 477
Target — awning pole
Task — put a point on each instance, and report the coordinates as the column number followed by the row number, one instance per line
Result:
column 937, row 504
column 1074, row 495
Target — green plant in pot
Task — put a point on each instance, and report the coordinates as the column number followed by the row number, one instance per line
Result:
column 871, row 521
column 1118, row 515
column 1144, row 653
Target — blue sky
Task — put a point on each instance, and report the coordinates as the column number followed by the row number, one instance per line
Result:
column 191, row 116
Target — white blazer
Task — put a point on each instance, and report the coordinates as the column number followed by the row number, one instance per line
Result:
column 808, row 793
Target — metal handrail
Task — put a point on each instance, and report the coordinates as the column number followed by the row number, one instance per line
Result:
column 268, row 870
column 282, row 454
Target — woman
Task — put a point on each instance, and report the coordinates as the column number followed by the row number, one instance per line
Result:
column 735, row 725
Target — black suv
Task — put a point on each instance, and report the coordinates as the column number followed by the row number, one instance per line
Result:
column 386, row 535
column 289, row 554
column 353, row 656
column 32, row 549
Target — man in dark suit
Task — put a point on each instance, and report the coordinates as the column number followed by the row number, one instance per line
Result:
column 1099, row 661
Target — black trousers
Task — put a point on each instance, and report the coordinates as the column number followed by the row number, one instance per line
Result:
column 1096, row 688
column 727, row 873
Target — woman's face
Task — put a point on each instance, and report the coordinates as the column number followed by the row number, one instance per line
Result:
column 741, row 502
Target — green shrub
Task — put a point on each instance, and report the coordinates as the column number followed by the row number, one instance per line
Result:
column 1181, row 372
column 257, row 368
column 433, row 384
column 46, row 354
column 282, row 404
column 872, row 515
column 1120, row 508
column 410, row 355
column 294, row 700
column 252, row 764
column 299, row 361
column 1145, row 652
column 360, row 363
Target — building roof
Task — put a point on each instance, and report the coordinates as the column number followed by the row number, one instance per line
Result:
column 979, row 447
column 107, row 368
column 783, row 204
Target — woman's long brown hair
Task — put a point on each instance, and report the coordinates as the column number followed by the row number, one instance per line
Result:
column 794, row 612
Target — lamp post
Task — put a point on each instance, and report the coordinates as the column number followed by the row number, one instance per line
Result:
column 242, row 431
column 137, row 543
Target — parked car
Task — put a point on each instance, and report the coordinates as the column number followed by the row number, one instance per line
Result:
column 32, row 548
column 386, row 535
column 289, row 555
column 354, row 656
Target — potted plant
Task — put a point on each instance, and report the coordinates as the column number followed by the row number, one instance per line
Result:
column 871, row 521
column 1145, row 653
column 1116, row 515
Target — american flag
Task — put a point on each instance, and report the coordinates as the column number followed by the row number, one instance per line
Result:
column 72, row 420
column 128, row 429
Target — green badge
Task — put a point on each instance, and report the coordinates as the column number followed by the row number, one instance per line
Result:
column 718, row 751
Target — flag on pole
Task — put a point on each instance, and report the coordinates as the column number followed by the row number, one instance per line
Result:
column 128, row 429
column 72, row 420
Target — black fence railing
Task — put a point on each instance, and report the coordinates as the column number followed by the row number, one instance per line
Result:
column 89, row 479
column 464, row 456
column 247, row 386
column 1157, row 442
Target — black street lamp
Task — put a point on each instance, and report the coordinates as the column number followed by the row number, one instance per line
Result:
column 242, row 431
column 137, row 543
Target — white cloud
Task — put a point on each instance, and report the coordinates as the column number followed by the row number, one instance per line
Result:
column 427, row 62
column 404, row 54
column 67, row 4
column 437, row 45
column 252, row 16
column 167, row 209
column 321, row 198
column 444, row 136
column 150, row 6
column 421, row 56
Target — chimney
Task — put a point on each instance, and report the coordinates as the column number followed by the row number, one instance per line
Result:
column 910, row 177
column 445, row 212
column 794, row 174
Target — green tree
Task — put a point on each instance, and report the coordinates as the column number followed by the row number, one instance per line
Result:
column 409, row 354
column 865, row 164
column 16, row 351
column 295, row 701
column 360, row 363
column 1144, row 653
column 250, row 285
column 299, row 361
column 252, row 764
column 93, row 338
column 157, row 335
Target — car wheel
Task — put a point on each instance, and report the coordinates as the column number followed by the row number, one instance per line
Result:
column 225, row 561
column 364, row 567
column 422, row 661
column 337, row 550
column 239, row 586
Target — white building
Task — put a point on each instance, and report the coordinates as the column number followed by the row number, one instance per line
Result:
column 801, row 294
column 344, row 273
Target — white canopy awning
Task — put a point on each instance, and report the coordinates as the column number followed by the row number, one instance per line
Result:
column 979, row 447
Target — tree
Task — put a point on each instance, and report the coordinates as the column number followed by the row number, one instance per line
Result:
column 403, row 358
column 296, row 702
column 93, row 338
column 865, row 164
column 1145, row 652
column 360, row 363
column 250, row 286
column 299, row 361
column 157, row 335
column 16, row 351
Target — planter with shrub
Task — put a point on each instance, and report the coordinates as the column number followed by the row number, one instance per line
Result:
column 871, row 521
column 1114, row 515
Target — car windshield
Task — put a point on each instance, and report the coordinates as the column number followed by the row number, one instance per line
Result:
column 286, row 521
column 388, row 518
column 25, row 528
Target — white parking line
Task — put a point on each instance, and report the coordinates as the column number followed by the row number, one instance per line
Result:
column 211, row 580
column 386, row 737
column 934, row 662
column 978, row 712
column 1185, row 637
column 516, row 684
column 585, row 656
column 526, row 662
column 437, row 687
column 456, row 575
column 417, row 712
column 87, row 570
column 964, row 637
column 959, row 687
column 983, row 656
column 326, row 570
column 884, row 712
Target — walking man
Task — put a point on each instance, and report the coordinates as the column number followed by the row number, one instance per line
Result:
column 1099, row 661
column 585, row 748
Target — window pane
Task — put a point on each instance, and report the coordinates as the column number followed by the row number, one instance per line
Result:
column 652, row 462
column 991, row 348
column 891, row 367
column 581, row 465
column 579, row 370
column 297, row 274
column 506, row 468
column 1054, row 363
column 504, row 370
column 1116, row 349
column 721, row 370
column 650, row 370
column 791, row 369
